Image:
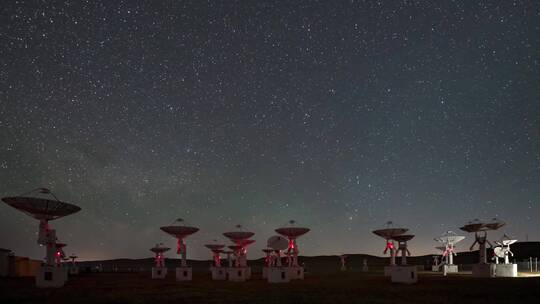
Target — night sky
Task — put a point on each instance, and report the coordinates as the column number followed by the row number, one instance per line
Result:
column 341, row 115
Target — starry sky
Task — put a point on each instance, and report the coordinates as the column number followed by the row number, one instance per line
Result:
column 341, row 115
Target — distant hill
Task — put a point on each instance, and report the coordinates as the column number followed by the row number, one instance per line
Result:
column 320, row 264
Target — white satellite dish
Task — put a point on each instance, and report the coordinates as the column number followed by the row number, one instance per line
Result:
column 503, row 249
column 499, row 252
column 277, row 242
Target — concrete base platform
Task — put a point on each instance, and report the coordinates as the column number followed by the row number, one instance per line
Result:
column 404, row 274
column 159, row 272
column 49, row 276
column 506, row 271
column 279, row 275
column 450, row 269
column 184, row 274
column 295, row 273
column 218, row 273
column 483, row 270
column 238, row 274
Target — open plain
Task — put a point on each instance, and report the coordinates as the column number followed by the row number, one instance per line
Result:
column 345, row 287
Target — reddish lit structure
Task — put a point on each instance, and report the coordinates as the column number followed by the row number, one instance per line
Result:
column 59, row 254
column 388, row 233
column 240, row 238
column 180, row 231
column 293, row 232
column 159, row 251
column 402, row 273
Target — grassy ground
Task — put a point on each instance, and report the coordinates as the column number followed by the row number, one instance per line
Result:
column 332, row 288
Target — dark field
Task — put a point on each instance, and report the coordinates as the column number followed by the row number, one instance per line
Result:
column 330, row 288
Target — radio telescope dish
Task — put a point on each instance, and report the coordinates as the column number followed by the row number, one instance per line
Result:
column 216, row 249
column 44, row 210
column 474, row 226
column 480, row 230
column 159, row 248
column 450, row 238
column 503, row 250
column 214, row 246
column 499, row 252
column 505, row 241
column 291, row 231
column 41, row 208
column 390, row 231
column 241, row 239
column 277, row 242
column 495, row 224
column 180, row 230
column 238, row 235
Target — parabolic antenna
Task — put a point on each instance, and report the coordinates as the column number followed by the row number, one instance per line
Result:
column 216, row 249
column 506, row 241
column 291, row 231
column 390, row 231
column 480, row 230
column 474, row 226
column 477, row 225
column 277, row 242
column 499, row 252
column 494, row 224
column 241, row 238
column 159, row 248
column 450, row 238
column 503, row 250
column 41, row 208
column 238, row 235
column 179, row 229
column 214, row 246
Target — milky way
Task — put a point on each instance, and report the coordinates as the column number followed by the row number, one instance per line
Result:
column 340, row 114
